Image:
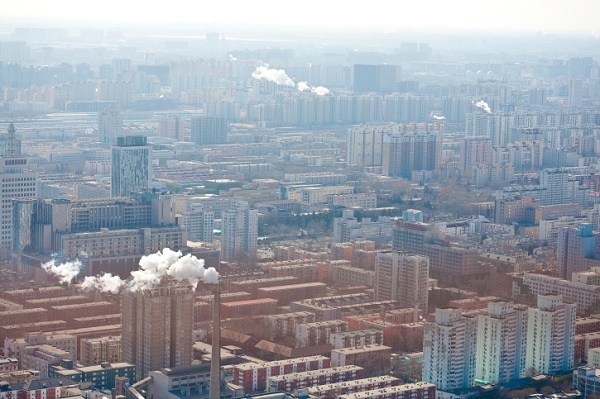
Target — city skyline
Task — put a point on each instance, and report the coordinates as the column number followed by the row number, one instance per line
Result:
column 225, row 200
column 575, row 17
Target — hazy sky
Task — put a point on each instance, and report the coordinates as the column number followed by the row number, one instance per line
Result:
column 578, row 16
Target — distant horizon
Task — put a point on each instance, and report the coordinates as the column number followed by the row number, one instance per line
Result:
column 552, row 17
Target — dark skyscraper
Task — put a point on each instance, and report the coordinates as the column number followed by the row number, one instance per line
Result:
column 131, row 166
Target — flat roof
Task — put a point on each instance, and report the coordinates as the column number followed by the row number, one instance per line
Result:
column 382, row 392
column 249, row 302
column 362, row 349
column 354, row 383
column 306, row 374
column 292, row 286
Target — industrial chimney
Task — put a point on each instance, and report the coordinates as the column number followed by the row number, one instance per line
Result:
column 215, row 361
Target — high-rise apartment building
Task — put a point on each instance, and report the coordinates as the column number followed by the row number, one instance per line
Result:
column 172, row 126
column 404, row 154
column 157, row 327
column 17, row 183
column 110, row 124
column 417, row 148
column 131, row 169
column 515, row 209
column 347, row 228
column 376, row 78
column 239, row 235
column 447, row 262
column 199, row 224
column 365, row 144
column 14, row 51
column 209, row 130
column 495, row 126
column 449, row 350
column 411, row 236
column 120, row 92
column 501, row 343
column 403, row 278
column 562, row 186
column 576, row 247
column 455, row 108
column 474, row 151
column 550, row 336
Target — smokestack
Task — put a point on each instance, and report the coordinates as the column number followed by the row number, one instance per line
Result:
column 215, row 361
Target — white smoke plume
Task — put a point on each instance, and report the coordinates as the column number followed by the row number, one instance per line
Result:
column 483, row 105
column 438, row 117
column 168, row 262
column 303, row 86
column 318, row 90
column 105, row 283
column 152, row 269
column 211, row 276
column 273, row 75
column 66, row 272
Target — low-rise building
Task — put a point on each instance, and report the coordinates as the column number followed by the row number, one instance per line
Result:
column 375, row 359
column 281, row 325
column 100, row 350
column 252, row 286
column 285, row 294
column 304, row 272
column 8, row 364
column 252, row 307
column 318, row 333
column 351, row 339
column 587, row 381
column 328, row 308
column 418, row 390
column 347, row 387
column 101, row 376
column 253, row 376
column 44, row 388
column 585, row 295
column 291, row 382
column 42, row 357
column 17, row 347
column 349, row 275
column 17, row 376
column 186, row 381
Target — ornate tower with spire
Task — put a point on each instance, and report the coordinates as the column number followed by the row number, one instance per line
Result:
column 10, row 145
column 17, row 181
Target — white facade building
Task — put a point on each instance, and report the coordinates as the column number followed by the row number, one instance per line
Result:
column 318, row 333
column 200, row 224
column 501, row 343
column 403, row 278
column 550, row 336
column 449, row 350
column 365, row 144
column 239, row 237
